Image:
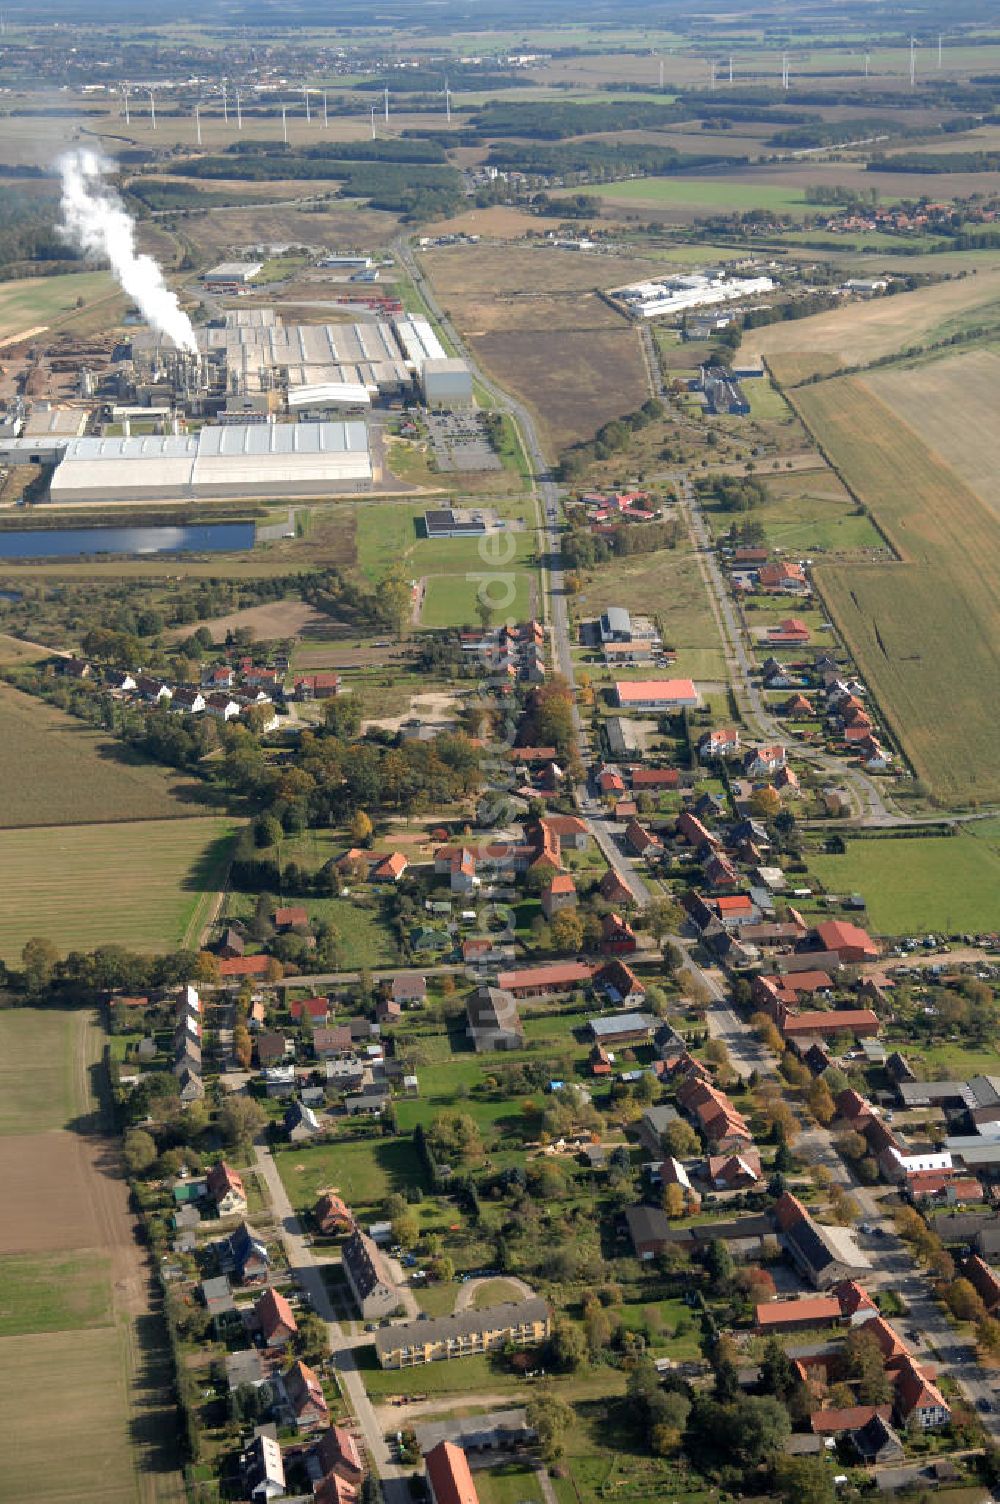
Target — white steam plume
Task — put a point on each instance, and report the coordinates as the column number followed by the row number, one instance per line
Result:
column 97, row 222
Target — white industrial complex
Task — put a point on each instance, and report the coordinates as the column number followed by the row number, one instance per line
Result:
column 676, row 294
column 238, row 460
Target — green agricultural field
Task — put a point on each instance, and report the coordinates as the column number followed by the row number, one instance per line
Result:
column 948, row 883
column 37, row 1089
column 53, row 1292
column 147, row 886
column 721, row 193
column 36, row 302
column 77, row 775
column 364, row 1171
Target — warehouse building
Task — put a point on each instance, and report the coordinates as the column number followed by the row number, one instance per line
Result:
column 264, row 459
column 230, row 275
column 446, row 383
column 326, row 397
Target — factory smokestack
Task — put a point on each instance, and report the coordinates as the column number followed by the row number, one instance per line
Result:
column 97, row 222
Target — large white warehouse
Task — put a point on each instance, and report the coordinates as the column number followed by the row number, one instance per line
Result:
column 263, row 459
column 651, row 300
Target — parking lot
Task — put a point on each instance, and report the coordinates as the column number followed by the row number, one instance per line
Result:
column 459, row 442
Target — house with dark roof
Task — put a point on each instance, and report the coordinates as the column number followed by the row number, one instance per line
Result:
column 824, row 1255
column 493, row 1020
column 619, row 984
column 368, row 1276
column 876, row 1443
column 245, row 1253
column 332, row 1214
column 262, row 1468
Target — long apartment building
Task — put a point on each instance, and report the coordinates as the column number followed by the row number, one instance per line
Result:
column 522, row 1323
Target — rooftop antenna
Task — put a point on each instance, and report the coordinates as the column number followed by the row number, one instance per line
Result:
column 387, row 106
column 152, row 110
column 225, row 103
column 127, row 120
column 308, row 116
column 326, row 117
column 239, row 112
column 284, row 125
column 373, row 122
column 913, row 61
column 197, row 121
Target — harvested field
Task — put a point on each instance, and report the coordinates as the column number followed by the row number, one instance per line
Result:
column 924, row 631
column 77, row 775
column 82, row 1376
column 280, row 619
column 573, row 381
column 75, row 1319
column 952, row 403
column 859, row 332
column 36, row 301
column 146, row 885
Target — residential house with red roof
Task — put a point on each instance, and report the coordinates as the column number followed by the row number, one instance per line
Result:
column 449, row 1479
column 852, row 944
column 762, row 762
column 734, row 1172
column 559, row 893
column 226, row 1189
column 275, row 1319
column 305, row 1396
column 571, row 832
column 690, row 830
column 337, row 1453
column 332, row 1215
column 617, row 936
column 919, row 1401
column 546, row 981
column 719, row 872
column 316, row 1009
column 792, row 632
column 722, row 742
column 610, row 782
column 614, row 889
column 642, row 842
column 619, row 984
column 390, row 869
column 244, row 966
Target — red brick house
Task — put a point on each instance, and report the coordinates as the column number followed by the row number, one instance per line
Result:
column 617, row 936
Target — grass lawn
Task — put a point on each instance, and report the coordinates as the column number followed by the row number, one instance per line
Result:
column 671, row 1326
column 53, row 1292
column 765, row 401
column 494, row 1292
column 508, row 1483
column 953, row 1062
column 948, row 883
column 36, row 1069
column 451, row 599
column 437, row 1299
column 364, row 1171
column 146, row 885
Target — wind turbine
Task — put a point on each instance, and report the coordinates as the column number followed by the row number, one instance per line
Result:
column 326, row 117
column 239, row 112
column 225, row 103
column 447, row 102
column 387, row 106
column 913, row 61
column 197, row 121
column 127, row 120
column 373, row 122
column 152, row 109
column 308, row 115
column 284, row 125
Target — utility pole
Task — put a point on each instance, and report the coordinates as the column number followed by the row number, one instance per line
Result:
column 447, row 102
column 730, row 67
column 127, row 120
column 867, row 60
column 712, row 66
column 939, row 49
column 661, row 73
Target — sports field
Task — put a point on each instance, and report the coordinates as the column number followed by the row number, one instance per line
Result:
column 923, row 630
column 952, row 403
column 76, row 775
column 145, row 886
column 941, row 883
